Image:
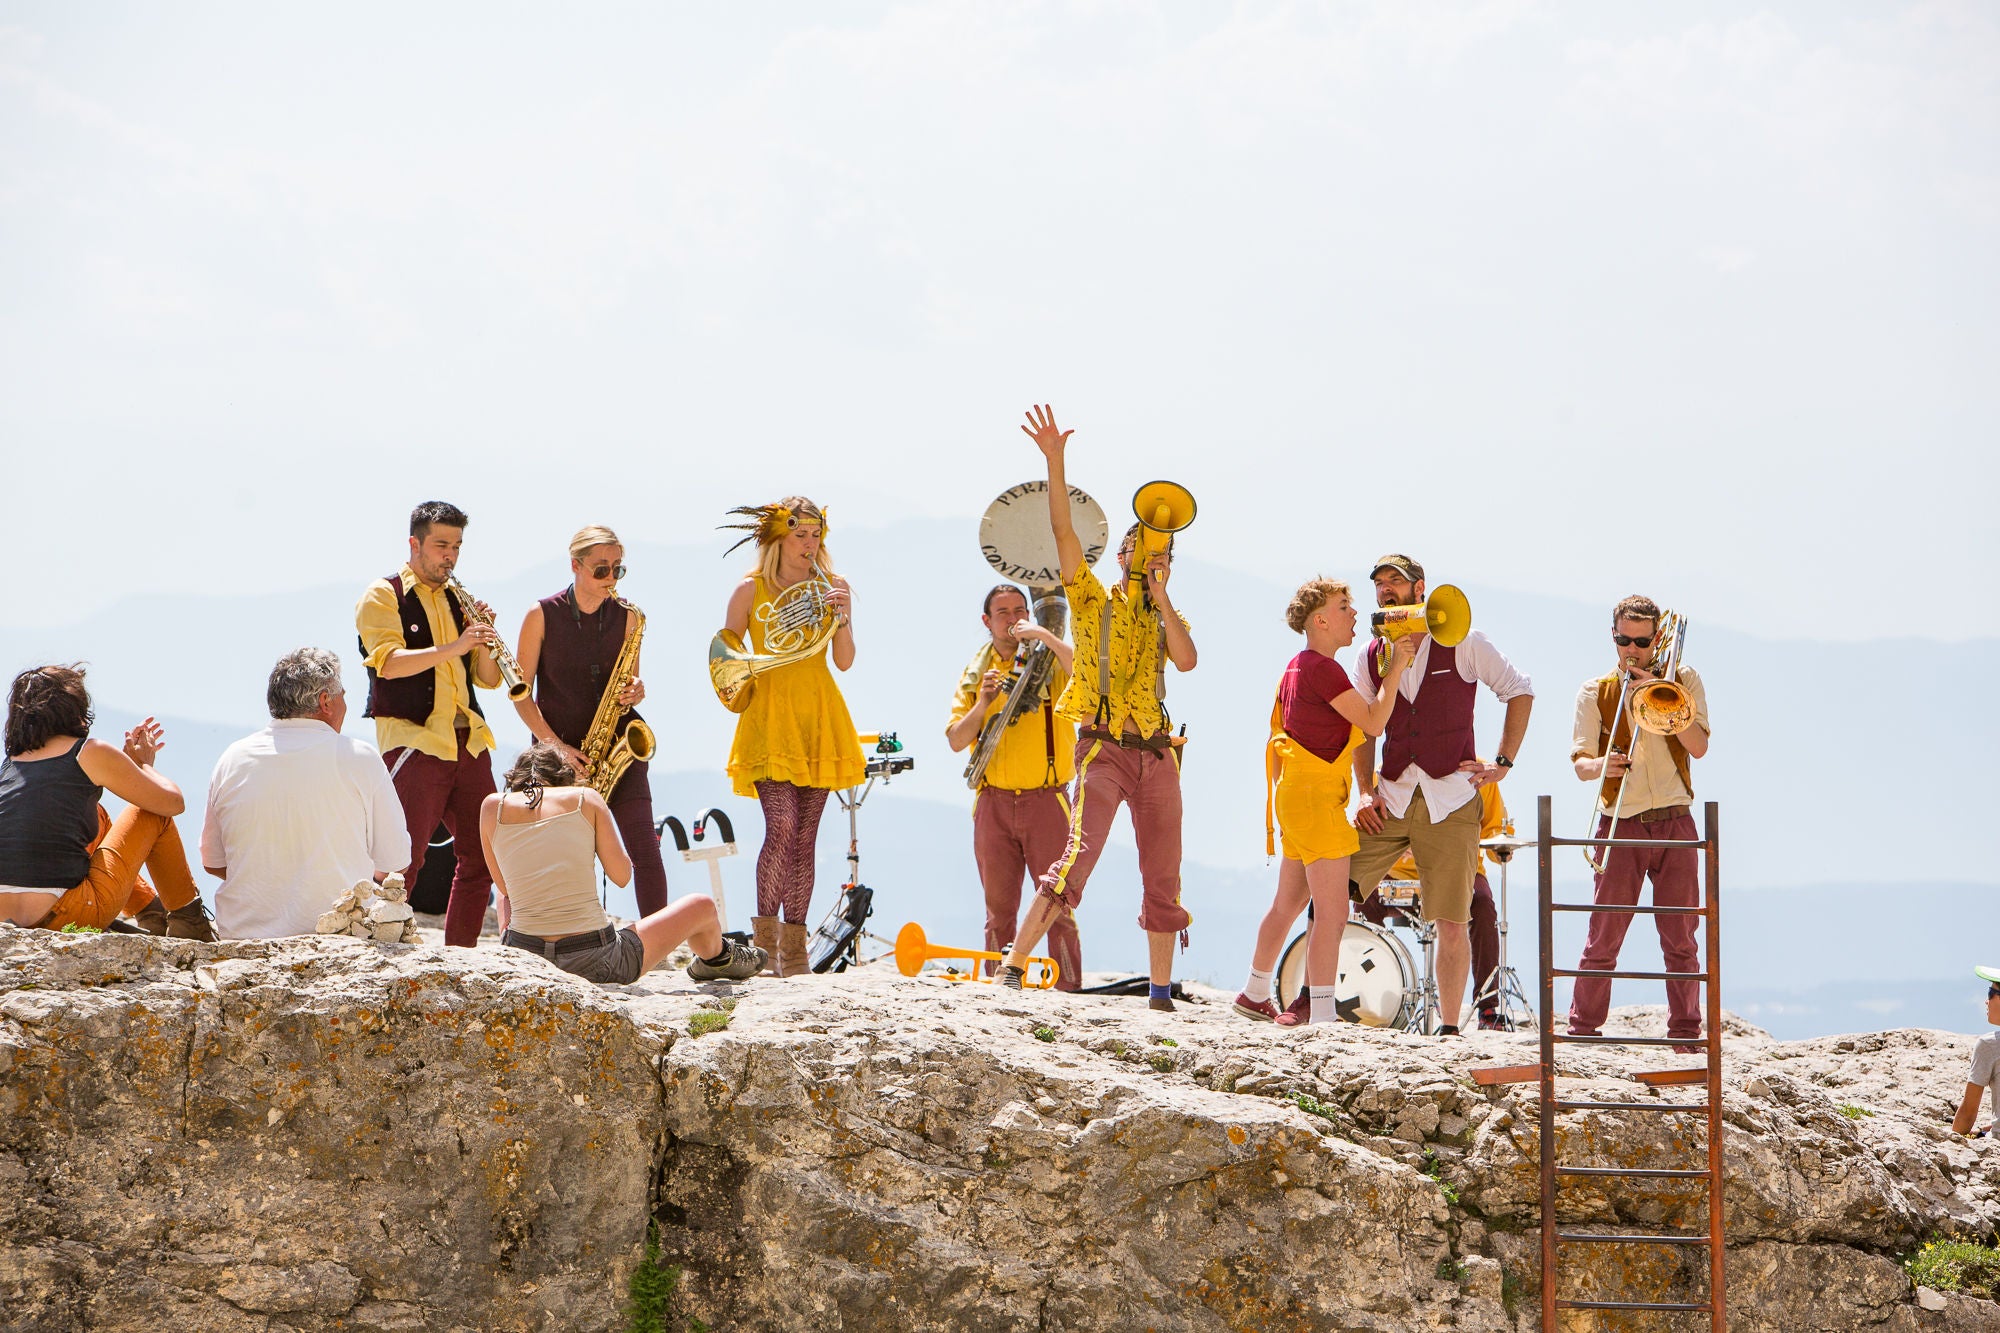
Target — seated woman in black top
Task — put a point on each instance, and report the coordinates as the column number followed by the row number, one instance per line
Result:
column 63, row 860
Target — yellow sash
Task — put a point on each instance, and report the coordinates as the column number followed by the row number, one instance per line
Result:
column 1307, row 795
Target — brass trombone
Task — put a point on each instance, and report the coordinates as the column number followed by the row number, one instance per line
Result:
column 913, row 951
column 1661, row 706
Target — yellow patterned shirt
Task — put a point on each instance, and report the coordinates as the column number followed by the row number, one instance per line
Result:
column 1038, row 750
column 1136, row 650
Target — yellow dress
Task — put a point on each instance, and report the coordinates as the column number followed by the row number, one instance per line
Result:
column 1308, row 796
column 797, row 728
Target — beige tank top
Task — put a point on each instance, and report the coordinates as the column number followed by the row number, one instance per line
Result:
column 549, row 867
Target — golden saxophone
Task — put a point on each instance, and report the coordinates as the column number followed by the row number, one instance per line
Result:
column 503, row 656
column 610, row 748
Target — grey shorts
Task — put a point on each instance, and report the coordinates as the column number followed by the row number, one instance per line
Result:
column 611, row 957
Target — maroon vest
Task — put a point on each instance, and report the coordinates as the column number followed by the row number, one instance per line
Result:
column 578, row 652
column 1435, row 732
column 412, row 698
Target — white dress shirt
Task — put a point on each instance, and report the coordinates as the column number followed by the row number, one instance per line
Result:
column 296, row 813
column 1478, row 660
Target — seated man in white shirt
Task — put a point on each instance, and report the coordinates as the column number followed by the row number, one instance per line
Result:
column 298, row 812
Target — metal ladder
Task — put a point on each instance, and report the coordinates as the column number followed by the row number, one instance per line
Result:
column 1554, row 1237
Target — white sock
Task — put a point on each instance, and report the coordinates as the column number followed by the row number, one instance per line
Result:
column 1258, row 988
column 1322, row 1005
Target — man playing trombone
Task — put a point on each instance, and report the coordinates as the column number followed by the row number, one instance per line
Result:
column 1020, row 812
column 1649, row 784
column 1126, row 753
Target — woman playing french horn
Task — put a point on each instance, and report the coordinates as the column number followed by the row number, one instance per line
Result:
column 795, row 740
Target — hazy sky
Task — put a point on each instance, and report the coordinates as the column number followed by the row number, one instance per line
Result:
column 1445, row 279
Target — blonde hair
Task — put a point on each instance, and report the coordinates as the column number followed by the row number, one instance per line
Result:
column 1311, row 596
column 594, row 535
column 803, row 510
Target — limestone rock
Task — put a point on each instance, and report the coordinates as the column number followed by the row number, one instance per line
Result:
column 315, row 1133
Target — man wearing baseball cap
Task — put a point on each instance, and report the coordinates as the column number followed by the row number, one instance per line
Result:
column 1426, row 800
column 1985, row 1059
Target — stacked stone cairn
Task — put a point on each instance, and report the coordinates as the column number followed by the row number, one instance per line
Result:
column 371, row 911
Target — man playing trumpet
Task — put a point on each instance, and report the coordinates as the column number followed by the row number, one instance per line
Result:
column 1653, row 771
column 424, row 652
column 1020, row 814
column 1126, row 753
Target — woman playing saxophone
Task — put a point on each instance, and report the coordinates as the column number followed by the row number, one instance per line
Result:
column 575, row 649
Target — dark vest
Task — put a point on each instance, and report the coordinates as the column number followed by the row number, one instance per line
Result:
column 1435, row 732
column 48, row 820
column 412, row 698
column 578, row 652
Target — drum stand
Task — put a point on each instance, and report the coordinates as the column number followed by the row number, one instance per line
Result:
column 1427, row 1018
column 1503, row 986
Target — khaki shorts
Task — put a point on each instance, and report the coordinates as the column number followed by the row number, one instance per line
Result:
column 608, row 957
column 1447, row 855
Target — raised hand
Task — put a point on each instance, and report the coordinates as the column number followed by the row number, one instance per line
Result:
column 1042, row 429
column 144, row 741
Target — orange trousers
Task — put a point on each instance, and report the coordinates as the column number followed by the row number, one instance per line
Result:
column 136, row 838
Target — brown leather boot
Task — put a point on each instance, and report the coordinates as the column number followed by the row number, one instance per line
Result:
column 764, row 934
column 191, row 922
column 152, row 918
column 794, row 960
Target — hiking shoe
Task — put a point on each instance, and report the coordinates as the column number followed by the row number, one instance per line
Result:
column 1492, row 1020
column 191, row 923
column 739, row 963
column 1262, row 1011
column 152, row 918
column 1009, row 977
column 1163, row 1004
column 1297, row 1011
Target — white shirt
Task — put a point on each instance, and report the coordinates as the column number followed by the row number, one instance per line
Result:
column 1986, row 1066
column 1478, row 660
column 296, row 813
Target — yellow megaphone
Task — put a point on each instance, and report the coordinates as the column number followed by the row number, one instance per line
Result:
column 913, row 951
column 1445, row 615
column 1162, row 508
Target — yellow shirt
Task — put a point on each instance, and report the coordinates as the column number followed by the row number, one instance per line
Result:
column 1023, row 758
column 382, row 633
column 1136, row 651
column 1493, row 821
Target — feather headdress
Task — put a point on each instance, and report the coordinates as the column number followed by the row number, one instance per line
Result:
column 770, row 523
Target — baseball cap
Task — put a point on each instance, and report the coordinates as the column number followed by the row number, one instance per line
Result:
column 1988, row 974
column 1402, row 564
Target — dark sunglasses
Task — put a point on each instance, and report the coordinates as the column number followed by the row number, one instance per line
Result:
column 1993, row 992
column 617, row 571
column 1622, row 640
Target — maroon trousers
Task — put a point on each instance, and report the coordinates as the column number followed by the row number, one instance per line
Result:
column 1149, row 781
column 1485, row 930
column 1676, row 876
column 1011, row 831
column 632, row 810
column 436, row 791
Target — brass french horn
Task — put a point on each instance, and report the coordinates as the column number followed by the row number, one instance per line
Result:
column 798, row 623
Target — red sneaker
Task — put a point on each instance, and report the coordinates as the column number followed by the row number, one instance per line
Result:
column 1263, row 1011
column 1296, row 1012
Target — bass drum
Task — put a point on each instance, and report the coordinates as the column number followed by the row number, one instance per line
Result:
column 1377, row 983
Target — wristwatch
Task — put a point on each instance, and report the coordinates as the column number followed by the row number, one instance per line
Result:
column 1503, row 762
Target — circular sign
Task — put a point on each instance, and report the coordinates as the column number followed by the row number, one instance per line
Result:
column 1015, row 535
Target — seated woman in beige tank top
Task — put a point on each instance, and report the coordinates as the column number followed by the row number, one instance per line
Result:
column 544, row 838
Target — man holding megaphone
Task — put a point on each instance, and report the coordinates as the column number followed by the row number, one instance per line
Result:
column 1126, row 751
column 1426, row 801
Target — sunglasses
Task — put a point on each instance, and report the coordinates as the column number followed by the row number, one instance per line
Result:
column 1993, row 992
column 1633, row 641
column 616, row 571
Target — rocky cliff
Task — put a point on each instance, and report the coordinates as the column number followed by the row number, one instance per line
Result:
column 329, row 1133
